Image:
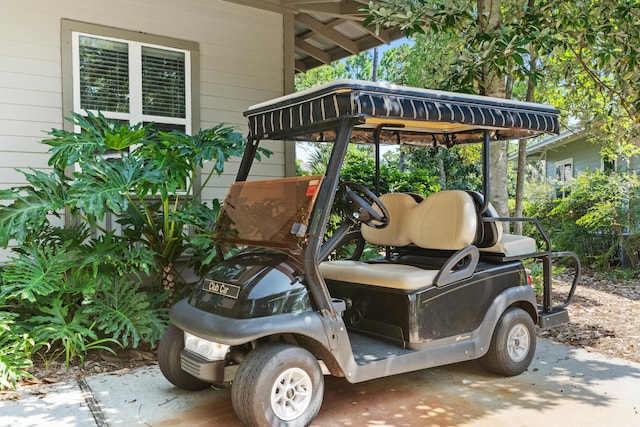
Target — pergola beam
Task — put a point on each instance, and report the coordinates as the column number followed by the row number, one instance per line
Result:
column 313, row 51
column 327, row 32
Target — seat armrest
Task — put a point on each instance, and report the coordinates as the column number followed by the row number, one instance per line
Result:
column 447, row 273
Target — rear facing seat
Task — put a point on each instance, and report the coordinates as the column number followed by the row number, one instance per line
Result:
column 445, row 221
column 492, row 240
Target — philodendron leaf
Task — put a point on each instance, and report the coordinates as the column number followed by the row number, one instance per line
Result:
column 36, row 271
column 107, row 184
column 27, row 214
column 124, row 137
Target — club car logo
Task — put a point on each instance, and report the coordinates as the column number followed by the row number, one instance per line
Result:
column 221, row 288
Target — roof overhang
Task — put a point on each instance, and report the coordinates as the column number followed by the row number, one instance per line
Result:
column 327, row 30
column 538, row 150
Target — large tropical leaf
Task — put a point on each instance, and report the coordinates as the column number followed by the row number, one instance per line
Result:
column 14, row 360
column 108, row 185
column 98, row 135
column 63, row 323
column 36, row 271
column 126, row 314
column 27, row 214
column 111, row 256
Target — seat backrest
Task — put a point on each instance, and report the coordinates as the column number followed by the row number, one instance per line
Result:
column 489, row 233
column 445, row 220
column 398, row 205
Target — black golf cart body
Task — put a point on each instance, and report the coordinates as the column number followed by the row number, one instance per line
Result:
column 449, row 284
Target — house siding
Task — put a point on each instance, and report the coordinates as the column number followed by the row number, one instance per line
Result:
column 584, row 155
column 240, row 64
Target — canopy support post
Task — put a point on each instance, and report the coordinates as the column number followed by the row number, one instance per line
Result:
column 376, row 142
column 486, row 188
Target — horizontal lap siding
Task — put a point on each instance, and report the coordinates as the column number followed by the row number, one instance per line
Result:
column 241, row 59
column 583, row 154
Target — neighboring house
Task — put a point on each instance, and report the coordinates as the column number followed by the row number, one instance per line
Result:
column 566, row 155
column 205, row 61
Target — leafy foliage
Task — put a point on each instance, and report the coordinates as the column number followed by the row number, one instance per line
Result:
column 77, row 288
column 59, row 324
column 14, row 346
column 30, row 205
column 606, row 204
column 125, row 313
column 37, row 271
column 597, row 219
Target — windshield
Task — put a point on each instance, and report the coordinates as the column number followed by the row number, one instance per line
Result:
column 271, row 213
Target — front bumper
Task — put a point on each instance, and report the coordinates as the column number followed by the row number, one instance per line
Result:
column 206, row 370
column 234, row 332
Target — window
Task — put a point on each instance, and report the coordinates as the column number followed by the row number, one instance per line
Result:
column 564, row 170
column 608, row 165
column 131, row 81
column 564, row 175
column 130, row 77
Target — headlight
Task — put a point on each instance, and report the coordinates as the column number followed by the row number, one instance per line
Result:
column 208, row 349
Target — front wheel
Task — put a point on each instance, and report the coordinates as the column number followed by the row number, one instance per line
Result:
column 278, row 385
column 513, row 344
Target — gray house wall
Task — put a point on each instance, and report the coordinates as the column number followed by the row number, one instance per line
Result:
column 583, row 154
column 240, row 62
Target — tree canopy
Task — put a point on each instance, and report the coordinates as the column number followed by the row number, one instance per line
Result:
column 587, row 55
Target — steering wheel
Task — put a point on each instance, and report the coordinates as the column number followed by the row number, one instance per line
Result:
column 363, row 205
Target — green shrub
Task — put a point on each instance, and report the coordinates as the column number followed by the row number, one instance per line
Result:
column 15, row 348
column 598, row 218
column 77, row 288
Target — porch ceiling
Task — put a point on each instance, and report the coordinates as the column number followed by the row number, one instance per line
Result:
column 327, row 30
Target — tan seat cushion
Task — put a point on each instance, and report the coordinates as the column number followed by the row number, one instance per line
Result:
column 398, row 204
column 513, row 245
column 446, row 220
column 396, row 276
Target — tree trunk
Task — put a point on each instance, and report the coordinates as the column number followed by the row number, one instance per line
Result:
column 522, row 146
column 489, row 20
column 441, row 170
column 374, row 67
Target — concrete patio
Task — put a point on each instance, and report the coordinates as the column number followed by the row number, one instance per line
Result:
column 564, row 386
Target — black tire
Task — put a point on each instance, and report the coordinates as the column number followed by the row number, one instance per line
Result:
column 513, row 344
column 270, row 379
column 169, row 349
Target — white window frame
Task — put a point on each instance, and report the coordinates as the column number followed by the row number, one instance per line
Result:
column 69, row 39
column 613, row 164
column 563, row 163
column 135, row 114
column 70, row 30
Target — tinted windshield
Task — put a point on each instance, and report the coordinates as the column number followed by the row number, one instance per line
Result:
column 272, row 213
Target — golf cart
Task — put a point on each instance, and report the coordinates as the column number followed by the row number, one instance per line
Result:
column 280, row 309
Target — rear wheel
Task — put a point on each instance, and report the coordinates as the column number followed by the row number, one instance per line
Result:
column 169, row 350
column 278, row 385
column 513, row 344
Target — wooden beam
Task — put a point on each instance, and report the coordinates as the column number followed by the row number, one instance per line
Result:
column 301, row 67
column 311, row 50
column 269, row 5
column 347, row 9
column 325, row 31
column 298, row 2
column 381, row 34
